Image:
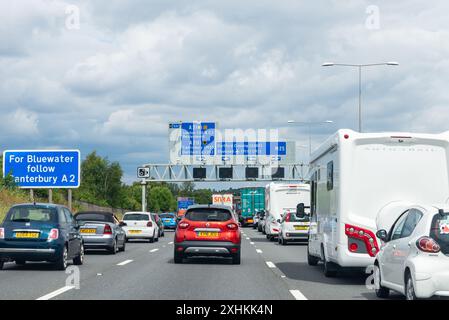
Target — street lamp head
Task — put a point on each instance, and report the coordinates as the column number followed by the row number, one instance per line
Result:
column 328, row 64
column 392, row 63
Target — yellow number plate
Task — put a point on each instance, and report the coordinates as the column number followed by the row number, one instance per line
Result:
column 301, row 228
column 27, row 235
column 208, row 234
column 135, row 231
column 250, row 221
column 88, row 231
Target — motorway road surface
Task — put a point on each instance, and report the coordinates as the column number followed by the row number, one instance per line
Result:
column 146, row 271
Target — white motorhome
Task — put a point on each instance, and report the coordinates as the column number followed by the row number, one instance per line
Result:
column 357, row 176
column 279, row 199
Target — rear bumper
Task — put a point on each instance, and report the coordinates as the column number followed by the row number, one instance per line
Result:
column 207, row 248
column 39, row 252
column 295, row 236
column 98, row 242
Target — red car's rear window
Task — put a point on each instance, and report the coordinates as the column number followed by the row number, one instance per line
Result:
column 208, row 214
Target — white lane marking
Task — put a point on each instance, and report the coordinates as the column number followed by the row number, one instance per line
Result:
column 170, row 242
column 298, row 295
column 124, row 262
column 247, row 238
column 283, row 276
column 251, row 243
column 258, row 251
column 270, row 264
column 154, row 250
column 56, row 293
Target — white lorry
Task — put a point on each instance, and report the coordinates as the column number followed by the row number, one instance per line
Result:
column 357, row 176
column 281, row 198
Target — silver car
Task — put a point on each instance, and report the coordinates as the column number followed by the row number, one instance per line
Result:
column 101, row 230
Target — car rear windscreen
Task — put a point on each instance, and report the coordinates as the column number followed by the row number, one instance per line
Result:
column 136, row 217
column 31, row 214
column 208, row 214
column 92, row 216
column 167, row 216
column 440, row 231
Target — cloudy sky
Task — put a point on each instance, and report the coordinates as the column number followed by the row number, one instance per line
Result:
column 113, row 81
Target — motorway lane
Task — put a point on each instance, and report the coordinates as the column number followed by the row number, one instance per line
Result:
column 153, row 275
column 291, row 262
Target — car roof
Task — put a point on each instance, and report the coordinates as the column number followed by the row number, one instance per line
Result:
column 209, row 206
column 95, row 212
column 40, row 204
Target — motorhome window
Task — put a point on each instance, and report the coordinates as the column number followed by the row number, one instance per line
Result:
column 411, row 222
column 330, row 176
column 313, row 193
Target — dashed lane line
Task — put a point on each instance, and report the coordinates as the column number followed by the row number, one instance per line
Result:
column 259, row 251
column 154, row 250
column 270, row 264
column 56, row 293
column 124, row 262
column 298, row 295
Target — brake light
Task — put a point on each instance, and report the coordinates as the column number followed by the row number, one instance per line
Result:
column 427, row 244
column 365, row 235
column 183, row 225
column 149, row 224
column 54, row 234
column 107, row 229
column 2, row 233
column 287, row 218
column 232, row 226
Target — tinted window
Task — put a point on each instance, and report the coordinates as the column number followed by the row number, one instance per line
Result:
column 440, row 231
column 68, row 215
column 166, row 215
column 91, row 216
column 62, row 217
column 410, row 223
column 208, row 214
column 330, row 176
column 398, row 226
column 32, row 213
column 136, row 217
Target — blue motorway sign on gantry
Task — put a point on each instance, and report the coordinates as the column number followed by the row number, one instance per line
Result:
column 198, row 138
column 43, row 168
column 251, row 148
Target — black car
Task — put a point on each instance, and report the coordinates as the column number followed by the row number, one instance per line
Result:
column 40, row 232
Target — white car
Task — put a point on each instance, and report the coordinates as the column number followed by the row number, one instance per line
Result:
column 294, row 228
column 414, row 257
column 272, row 227
column 140, row 225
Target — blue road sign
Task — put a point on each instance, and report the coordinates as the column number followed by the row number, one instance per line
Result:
column 198, row 139
column 252, row 148
column 184, row 203
column 43, row 168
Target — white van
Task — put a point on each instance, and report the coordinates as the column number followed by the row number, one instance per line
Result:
column 357, row 176
column 279, row 199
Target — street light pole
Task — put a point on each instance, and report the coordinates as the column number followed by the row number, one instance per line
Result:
column 360, row 66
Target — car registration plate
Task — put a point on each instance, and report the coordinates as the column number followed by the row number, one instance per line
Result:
column 135, row 231
column 301, row 227
column 250, row 221
column 207, row 234
column 88, row 231
column 27, row 235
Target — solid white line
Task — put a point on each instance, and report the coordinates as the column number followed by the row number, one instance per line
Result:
column 56, row 293
column 258, row 251
column 270, row 264
column 124, row 262
column 154, row 250
column 298, row 295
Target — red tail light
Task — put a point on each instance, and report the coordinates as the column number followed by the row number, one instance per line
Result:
column 149, row 224
column 183, row 225
column 287, row 218
column 365, row 235
column 427, row 244
column 2, row 233
column 232, row 226
column 107, row 229
column 54, row 234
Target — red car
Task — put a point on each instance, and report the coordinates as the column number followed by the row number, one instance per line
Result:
column 208, row 230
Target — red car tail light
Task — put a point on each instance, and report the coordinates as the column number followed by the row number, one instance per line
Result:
column 54, row 234
column 107, row 229
column 232, row 226
column 183, row 225
column 427, row 244
column 365, row 235
column 2, row 233
column 149, row 224
column 287, row 218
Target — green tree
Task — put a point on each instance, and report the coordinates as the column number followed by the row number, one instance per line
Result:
column 160, row 199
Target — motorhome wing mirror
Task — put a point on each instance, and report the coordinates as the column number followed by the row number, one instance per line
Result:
column 300, row 211
column 382, row 235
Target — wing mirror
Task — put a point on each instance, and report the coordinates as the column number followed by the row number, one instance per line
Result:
column 122, row 224
column 382, row 235
column 300, row 211
column 278, row 220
